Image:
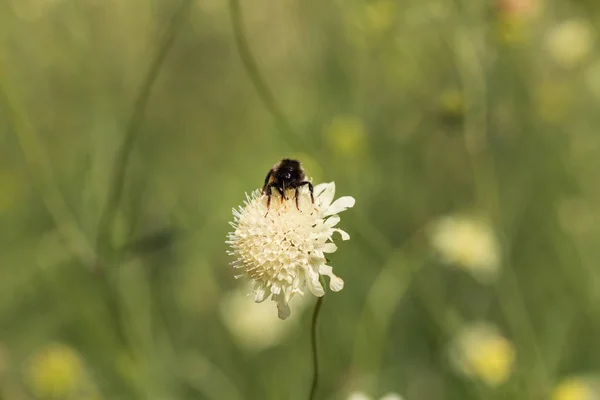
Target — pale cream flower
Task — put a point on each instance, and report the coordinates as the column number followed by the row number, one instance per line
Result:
column 570, row 42
column 282, row 249
column 577, row 388
column 467, row 243
column 255, row 326
column 363, row 396
column 481, row 352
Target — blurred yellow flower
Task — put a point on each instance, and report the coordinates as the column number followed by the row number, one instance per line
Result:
column 56, row 372
column 452, row 104
column 481, row 352
column 346, row 136
column 254, row 326
column 570, row 42
column 469, row 244
column 577, row 388
column 369, row 21
column 380, row 15
column 512, row 29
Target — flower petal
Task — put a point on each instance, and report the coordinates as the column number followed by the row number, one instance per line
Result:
column 260, row 294
column 283, row 309
column 341, row 204
column 329, row 248
column 312, row 280
column 332, row 221
column 326, row 196
column 319, row 189
column 345, row 235
column 335, row 283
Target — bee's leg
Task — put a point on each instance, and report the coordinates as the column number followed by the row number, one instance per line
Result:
column 297, row 195
column 268, row 201
column 310, row 189
column 268, row 189
column 282, row 193
column 266, row 185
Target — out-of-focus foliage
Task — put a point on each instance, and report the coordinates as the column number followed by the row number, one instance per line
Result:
column 482, row 113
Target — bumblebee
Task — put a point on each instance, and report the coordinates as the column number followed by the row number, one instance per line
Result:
column 286, row 174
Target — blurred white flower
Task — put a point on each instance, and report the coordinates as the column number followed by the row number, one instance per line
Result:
column 577, row 388
column 255, row 326
column 481, row 352
column 363, row 396
column 469, row 244
column 283, row 251
column 392, row 396
column 570, row 42
column 358, row 396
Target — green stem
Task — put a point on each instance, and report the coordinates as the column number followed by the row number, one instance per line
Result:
column 38, row 162
column 260, row 85
column 315, row 357
column 117, row 183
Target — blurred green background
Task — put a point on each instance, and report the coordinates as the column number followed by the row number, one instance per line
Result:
column 466, row 130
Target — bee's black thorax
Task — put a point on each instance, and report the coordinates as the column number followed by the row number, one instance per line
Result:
column 286, row 174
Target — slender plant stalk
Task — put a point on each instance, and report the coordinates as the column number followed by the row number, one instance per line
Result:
column 117, row 183
column 40, row 167
column 314, row 349
column 260, row 85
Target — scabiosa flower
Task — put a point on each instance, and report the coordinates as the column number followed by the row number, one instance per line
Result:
column 282, row 249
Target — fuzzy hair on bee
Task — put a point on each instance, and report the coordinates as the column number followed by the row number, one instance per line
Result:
column 286, row 174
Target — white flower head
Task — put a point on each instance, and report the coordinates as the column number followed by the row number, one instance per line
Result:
column 281, row 249
column 468, row 243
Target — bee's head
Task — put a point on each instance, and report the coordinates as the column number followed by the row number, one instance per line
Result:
column 289, row 170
